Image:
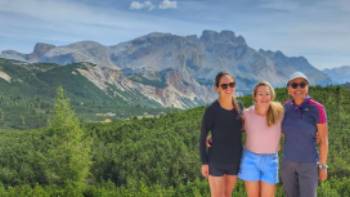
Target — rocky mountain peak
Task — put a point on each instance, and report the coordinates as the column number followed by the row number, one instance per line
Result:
column 158, row 35
column 225, row 36
column 86, row 44
column 170, row 69
column 42, row 48
column 339, row 75
column 12, row 54
column 157, row 38
column 209, row 35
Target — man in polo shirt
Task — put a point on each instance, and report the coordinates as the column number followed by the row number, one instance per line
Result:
column 304, row 118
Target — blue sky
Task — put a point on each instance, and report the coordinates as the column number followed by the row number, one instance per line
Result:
column 316, row 29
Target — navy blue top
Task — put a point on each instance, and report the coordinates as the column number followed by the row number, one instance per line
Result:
column 299, row 127
column 226, row 130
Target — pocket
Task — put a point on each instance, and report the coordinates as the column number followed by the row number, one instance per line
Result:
column 245, row 156
column 275, row 162
column 248, row 159
column 275, row 158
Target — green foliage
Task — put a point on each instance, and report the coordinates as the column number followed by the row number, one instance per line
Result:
column 27, row 100
column 69, row 148
column 140, row 156
column 152, row 150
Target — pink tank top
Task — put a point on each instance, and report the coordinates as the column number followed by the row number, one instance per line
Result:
column 260, row 137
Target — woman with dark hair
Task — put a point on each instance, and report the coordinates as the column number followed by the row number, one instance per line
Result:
column 220, row 163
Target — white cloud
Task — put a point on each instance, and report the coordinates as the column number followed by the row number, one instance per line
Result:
column 167, row 4
column 148, row 5
column 136, row 5
column 63, row 22
column 319, row 30
column 59, row 14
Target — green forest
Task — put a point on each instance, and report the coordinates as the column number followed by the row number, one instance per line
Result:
column 140, row 156
column 27, row 100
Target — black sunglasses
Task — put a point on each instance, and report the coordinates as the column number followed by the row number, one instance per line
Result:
column 296, row 85
column 226, row 85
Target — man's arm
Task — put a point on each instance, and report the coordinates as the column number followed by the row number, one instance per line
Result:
column 322, row 130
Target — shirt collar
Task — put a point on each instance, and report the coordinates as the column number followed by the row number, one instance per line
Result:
column 302, row 105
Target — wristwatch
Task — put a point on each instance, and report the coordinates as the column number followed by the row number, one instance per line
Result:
column 322, row 166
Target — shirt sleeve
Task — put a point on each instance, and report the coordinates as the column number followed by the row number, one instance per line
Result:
column 207, row 122
column 322, row 115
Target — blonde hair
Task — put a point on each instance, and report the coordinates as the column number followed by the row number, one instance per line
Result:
column 276, row 110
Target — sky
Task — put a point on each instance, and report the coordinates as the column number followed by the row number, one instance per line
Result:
column 319, row 30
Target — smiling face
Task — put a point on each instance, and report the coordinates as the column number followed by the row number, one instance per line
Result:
column 298, row 89
column 226, row 86
column 263, row 96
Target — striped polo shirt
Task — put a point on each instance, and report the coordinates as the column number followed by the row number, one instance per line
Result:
column 299, row 127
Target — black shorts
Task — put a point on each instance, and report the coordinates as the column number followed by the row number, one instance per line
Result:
column 223, row 170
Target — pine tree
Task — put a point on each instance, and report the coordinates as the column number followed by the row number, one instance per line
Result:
column 69, row 148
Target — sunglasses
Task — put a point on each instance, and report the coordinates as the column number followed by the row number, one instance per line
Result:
column 296, row 85
column 226, row 85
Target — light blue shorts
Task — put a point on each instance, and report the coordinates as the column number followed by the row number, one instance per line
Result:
column 259, row 167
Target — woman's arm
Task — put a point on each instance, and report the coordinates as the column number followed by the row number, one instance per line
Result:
column 205, row 127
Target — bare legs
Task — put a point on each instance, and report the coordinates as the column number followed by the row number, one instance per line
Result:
column 222, row 186
column 259, row 189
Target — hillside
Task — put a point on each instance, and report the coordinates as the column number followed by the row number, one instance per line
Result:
column 159, row 156
column 28, row 90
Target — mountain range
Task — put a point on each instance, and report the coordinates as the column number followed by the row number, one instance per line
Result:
column 166, row 69
column 338, row 75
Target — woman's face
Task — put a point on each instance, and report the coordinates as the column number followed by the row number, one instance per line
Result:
column 298, row 89
column 263, row 96
column 226, row 86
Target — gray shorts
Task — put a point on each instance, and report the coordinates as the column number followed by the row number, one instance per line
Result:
column 299, row 179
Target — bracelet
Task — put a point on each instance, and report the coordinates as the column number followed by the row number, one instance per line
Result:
column 322, row 166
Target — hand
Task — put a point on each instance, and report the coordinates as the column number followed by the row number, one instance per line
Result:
column 205, row 170
column 209, row 142
column 323, row 174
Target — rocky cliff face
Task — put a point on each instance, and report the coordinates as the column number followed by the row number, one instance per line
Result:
column 175, row 70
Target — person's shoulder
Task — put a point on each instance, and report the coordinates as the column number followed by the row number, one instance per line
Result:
column 315, row 103
column 320, row 109
column 212, row 106
column 248, row 111
column 317, row 107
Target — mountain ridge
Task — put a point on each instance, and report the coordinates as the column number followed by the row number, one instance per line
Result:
column 339, row 75
column 176, row 71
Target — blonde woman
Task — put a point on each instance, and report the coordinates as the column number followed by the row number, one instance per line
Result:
column 262, row 123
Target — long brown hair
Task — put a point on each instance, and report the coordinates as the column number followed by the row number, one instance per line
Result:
column 217, row 83
column 275, row 111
